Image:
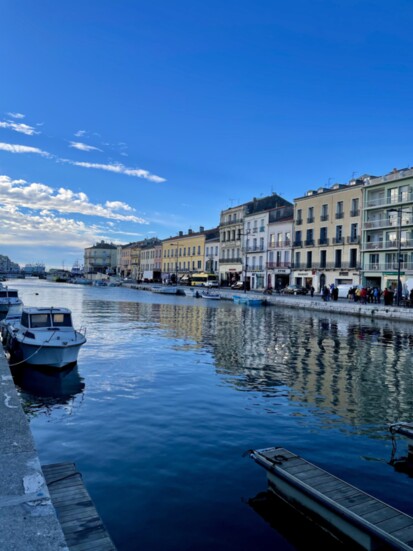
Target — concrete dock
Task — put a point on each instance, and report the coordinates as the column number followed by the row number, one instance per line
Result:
column 28, row 520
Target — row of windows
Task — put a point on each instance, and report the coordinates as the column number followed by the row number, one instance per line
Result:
column 355, row 206
column 174, row 252
column 210, row 250
column 171, row 266
column 338, row 258
column 324, row 233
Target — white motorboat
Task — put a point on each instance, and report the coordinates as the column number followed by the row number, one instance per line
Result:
column 8, row 297
column 211, row 295
column 44, row 337
column 164, row 289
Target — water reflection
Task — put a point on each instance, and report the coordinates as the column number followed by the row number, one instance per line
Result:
column 42, row 390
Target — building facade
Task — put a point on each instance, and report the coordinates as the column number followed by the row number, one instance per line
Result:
column 231, row 229
column 183, row 255
column 387, row 243
column 280, row 232
column 100, row 259
column 327, row 229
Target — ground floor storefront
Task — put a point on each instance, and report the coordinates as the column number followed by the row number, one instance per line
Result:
column 320, row 278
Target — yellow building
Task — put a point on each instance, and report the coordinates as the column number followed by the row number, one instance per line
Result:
column 183, row 255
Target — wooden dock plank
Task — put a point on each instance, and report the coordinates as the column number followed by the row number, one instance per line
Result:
column 80, row 522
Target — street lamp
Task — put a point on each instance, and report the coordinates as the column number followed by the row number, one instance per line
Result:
column 399, row 252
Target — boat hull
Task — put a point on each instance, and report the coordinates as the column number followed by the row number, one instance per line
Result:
column 58, row 357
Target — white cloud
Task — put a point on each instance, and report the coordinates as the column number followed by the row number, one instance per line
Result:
column 15, row 148
column 120, row 169
column 80, row 133
column 18, row 194
column 16, row 115
column 83, row 147
column 19, row 127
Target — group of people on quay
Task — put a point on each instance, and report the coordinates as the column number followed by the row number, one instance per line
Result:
column 369, row 295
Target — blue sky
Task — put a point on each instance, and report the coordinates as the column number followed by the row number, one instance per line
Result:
column 132, row 119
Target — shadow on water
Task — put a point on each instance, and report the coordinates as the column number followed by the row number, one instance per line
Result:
column 283, row 518
column 41, row 388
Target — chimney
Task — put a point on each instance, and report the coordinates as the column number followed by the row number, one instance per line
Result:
column 189, row 231
column 181, row 233
column 201, row 229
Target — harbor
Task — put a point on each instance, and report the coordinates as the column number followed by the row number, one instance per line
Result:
column 169, row 391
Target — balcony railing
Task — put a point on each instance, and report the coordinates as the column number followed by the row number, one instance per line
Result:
column 254, row 249
column 236, row 260
column 386, row 222
column 327, row 265
column 353, row 239
column 253, row 268
column 375, row 245
column 388, row 266
column 272, row 265
column 280, row 245
column 338, row 240
column 355, row 212
column 324, row 217
column 232, row 222
column 299, row 221
column 390, row 201
column 309, row 242
column 339, row 215
column 324, row 241
column 298, row 243
column 310, row 219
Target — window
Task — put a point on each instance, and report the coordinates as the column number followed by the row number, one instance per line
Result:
column 353, row 233
column 393, row 195
column 299, row 217
column 206, row 251
column 339, row 234
column 262, row 227
column 193, row 250
column 353, row 258
column 297, row 238
column 310, row 237
column 199, row 249
column 323, row 236
column 216, row 250
column 323, row 259
column 279, row 239
column 199, row 264
column 338, row 254
column 297, row 259
column 355, row 209
column 339, row 209
column 374, row 262
column 324, row 213
column 261, row 243
column 310, row 215
column 309, row 259
column 272, row 239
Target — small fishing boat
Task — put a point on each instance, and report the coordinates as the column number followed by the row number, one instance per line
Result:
column 164, row 289
column 348, row 513
column 44, row 337
column 8, row 297
column 249, row 301
column 210, row 295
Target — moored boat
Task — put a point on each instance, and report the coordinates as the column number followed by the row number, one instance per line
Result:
column 44, row 337
column 8, row 297
column 164, row 289
column 249, row 301
column 210, row 295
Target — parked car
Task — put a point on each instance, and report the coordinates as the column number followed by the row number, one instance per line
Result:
column 212, row 284
column 237, row 285
column 294, row 290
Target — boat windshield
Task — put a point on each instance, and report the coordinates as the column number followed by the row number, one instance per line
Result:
column 40, row 320
column 61, row 320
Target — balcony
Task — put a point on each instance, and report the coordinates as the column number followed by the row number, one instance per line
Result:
column 298, row 243
column 355, row 212
column 310, row 219
column 280, row 245
column 338, row 240
column 272, row 265
column 254, row 249
column 324, row 217
column 299, row 221
column 309, row 242
column 232, row 222
column 236, row 260
column 252, row 267
column 339, row 215
column 388, row 266
column 328, row 265
column 402, row 199
column 353, row 239
column 324, row 241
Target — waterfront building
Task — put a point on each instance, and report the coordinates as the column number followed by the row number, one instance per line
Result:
column 150, row 260
column 231, row 227
column 7, row 266
column 183, row 255
column 126, row 260
column 211, row 261
column 327, row 229
column 387, row 242
column 38, row 269
column 238, row 258
column 280, row 232
column 100, row 259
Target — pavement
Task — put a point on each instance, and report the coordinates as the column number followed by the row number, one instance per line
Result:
column 28, row 520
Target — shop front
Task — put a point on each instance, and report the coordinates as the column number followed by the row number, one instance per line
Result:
column 305, row 278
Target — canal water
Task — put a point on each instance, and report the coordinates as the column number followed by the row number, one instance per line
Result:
column 170, row 391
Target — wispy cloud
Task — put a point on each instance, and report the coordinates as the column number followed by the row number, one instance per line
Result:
column 80, row 133
column 120, row 169
column 16, row 115
column 15, row 148
column 18, row 194
column 83, row 147
column 19, row 127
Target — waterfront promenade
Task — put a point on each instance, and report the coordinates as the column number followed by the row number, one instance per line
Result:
column 28, row 520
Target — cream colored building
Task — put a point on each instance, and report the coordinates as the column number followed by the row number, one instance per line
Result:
column 231, row 229
column 100, row 259
column 327, row 229
column 279, row 256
